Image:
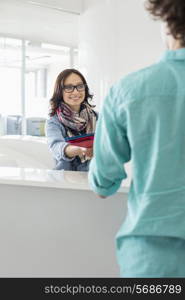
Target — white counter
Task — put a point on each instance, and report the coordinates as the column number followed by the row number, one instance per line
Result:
column 49, row 178
column 53, row 225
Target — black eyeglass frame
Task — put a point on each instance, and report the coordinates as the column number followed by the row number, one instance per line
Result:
column 74, row 87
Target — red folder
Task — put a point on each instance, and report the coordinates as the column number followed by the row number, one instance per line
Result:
column 85, row 140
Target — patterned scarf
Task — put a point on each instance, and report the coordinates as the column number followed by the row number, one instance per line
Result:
column 85, row 120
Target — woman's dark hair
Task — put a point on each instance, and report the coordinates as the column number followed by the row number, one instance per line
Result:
column 58, row 90
column 173, row 13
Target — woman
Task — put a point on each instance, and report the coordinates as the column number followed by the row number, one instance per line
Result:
column 143, row 119
column 70, row 115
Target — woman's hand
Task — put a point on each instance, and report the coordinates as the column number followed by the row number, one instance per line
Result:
column 89, row 153
column 82, row 151
column 72, row 151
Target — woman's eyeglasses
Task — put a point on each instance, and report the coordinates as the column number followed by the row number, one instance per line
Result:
column 70, row 88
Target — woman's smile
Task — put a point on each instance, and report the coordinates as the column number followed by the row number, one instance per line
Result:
column 75, row 97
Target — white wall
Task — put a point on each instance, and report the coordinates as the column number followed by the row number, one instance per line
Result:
column 115, row 37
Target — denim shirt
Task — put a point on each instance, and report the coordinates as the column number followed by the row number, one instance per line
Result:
column 56, row 132
column 143, row 119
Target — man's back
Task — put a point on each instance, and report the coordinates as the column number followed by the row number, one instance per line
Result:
column 143, row 119
column 155, row 123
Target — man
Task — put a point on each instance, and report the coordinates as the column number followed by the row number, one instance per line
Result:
column 143, row 119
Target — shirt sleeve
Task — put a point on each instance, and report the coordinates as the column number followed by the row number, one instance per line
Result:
column 111, row 148
column 56, row 140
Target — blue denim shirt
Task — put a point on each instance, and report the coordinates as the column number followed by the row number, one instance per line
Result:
column 56, row 133
column 143, row 119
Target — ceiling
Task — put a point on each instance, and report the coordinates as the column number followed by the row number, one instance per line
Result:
column 72, row 6
column 49, row 21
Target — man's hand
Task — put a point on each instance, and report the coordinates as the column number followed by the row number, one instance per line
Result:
column 103, row 197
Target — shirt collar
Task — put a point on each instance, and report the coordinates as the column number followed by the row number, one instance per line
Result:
column 178, row 54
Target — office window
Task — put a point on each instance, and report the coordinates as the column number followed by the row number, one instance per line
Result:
column 27, row 75
column 43, row 63
column 10, row 76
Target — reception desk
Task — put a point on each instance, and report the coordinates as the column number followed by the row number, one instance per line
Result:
column 53, row 225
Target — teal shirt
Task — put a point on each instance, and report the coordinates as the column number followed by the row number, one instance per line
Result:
column 143, row 120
